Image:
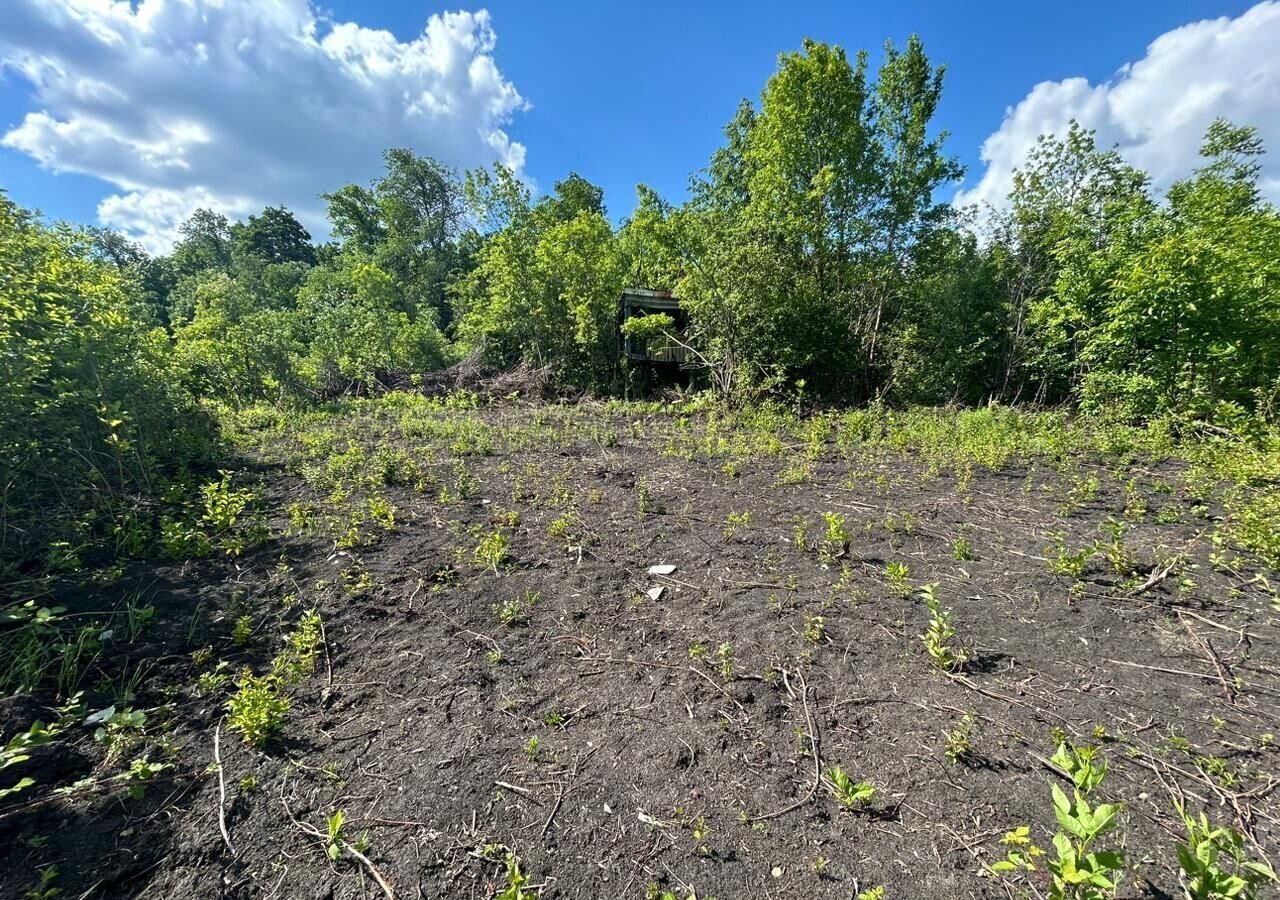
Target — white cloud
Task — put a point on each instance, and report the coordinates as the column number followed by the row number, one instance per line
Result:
column 1156, row 109
column 237, row 104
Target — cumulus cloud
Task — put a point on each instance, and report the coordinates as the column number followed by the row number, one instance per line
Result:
column 1156, row 109
column 238, row 104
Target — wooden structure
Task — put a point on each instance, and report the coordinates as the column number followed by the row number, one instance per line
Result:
column 656, row 352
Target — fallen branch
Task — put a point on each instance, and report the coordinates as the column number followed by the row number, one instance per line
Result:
column 555, row 807
column 222, row 791
column 344, row 845
column 1227, row 689
column 813, row 745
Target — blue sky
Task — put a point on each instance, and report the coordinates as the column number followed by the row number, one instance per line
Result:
column 621, row 93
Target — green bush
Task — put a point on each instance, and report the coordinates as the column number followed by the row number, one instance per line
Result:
column 92, row 415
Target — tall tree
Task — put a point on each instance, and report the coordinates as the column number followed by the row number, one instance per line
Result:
column 408, row 224
column 275, row 236
column 546, row 282
column 204, row 243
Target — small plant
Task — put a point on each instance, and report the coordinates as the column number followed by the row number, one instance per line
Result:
column 516, row 881
column 382, row 511
column 644, row 499
column 17, row 751
column 1116, row 553
column 1135, row 504
column 814, row 628
column 242, row 631
column 119, row 730
column 182, row 540
column 137, row 617
column 209, row 683
column 257, row 709
column 734, row 521
column 798, row 471
column 799, row 532
column 1022, row 853
column 962, row 548
column 334, row 842
column 835, row 537
column 937, row 637
column 1214, row 865
column 1064, row 562
column 898, row 575
column 1083, row 490
column 45, row 887
column 724, row 660
column 491, row 552
column 960, row 739
column 230, row 514
column 875, row 893
column 700, row 833
column 531, row 748
column 849, row 793
column 564, row 525
column 302, row 646
column 1078, row 870
column 516, row 609
column 139, row 773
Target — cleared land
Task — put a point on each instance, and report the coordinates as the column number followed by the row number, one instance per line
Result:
column 498, row 674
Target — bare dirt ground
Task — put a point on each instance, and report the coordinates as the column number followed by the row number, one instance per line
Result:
column 625, row 734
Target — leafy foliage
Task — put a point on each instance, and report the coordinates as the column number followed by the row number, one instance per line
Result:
column 1214, row 863
column 546, row 282
column 92, row 411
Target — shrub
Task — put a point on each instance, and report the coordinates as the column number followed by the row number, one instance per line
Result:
column 91, row 411
column 257, row 709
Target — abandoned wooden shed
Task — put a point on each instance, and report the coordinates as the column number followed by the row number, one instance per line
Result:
column 656, row 351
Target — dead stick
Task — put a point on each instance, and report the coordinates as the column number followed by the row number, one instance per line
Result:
column 222, row 791
column 1227, row 689
column 356, row 854
column 328, row 660
column 1166, row 671
column 524, row 792
column 565, row 789
column 555, row 807
column 817, row 757
column 1155, row 578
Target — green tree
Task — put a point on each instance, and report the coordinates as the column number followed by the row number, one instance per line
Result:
column 796, row 252
column 204, row 243
column 1191, row 309
column 360, row 337
column 546, row 282
column 236, row 349
column 408, row 225
column 275, row 236
column 1069, row 199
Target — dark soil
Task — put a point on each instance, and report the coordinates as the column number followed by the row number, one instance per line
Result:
column 659, row 760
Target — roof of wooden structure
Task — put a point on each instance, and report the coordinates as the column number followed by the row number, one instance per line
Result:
column 642, row 298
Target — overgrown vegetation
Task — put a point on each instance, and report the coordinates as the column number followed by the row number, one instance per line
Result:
column 205, row 457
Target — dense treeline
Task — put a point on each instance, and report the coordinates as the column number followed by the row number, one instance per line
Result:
column 813, row 254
